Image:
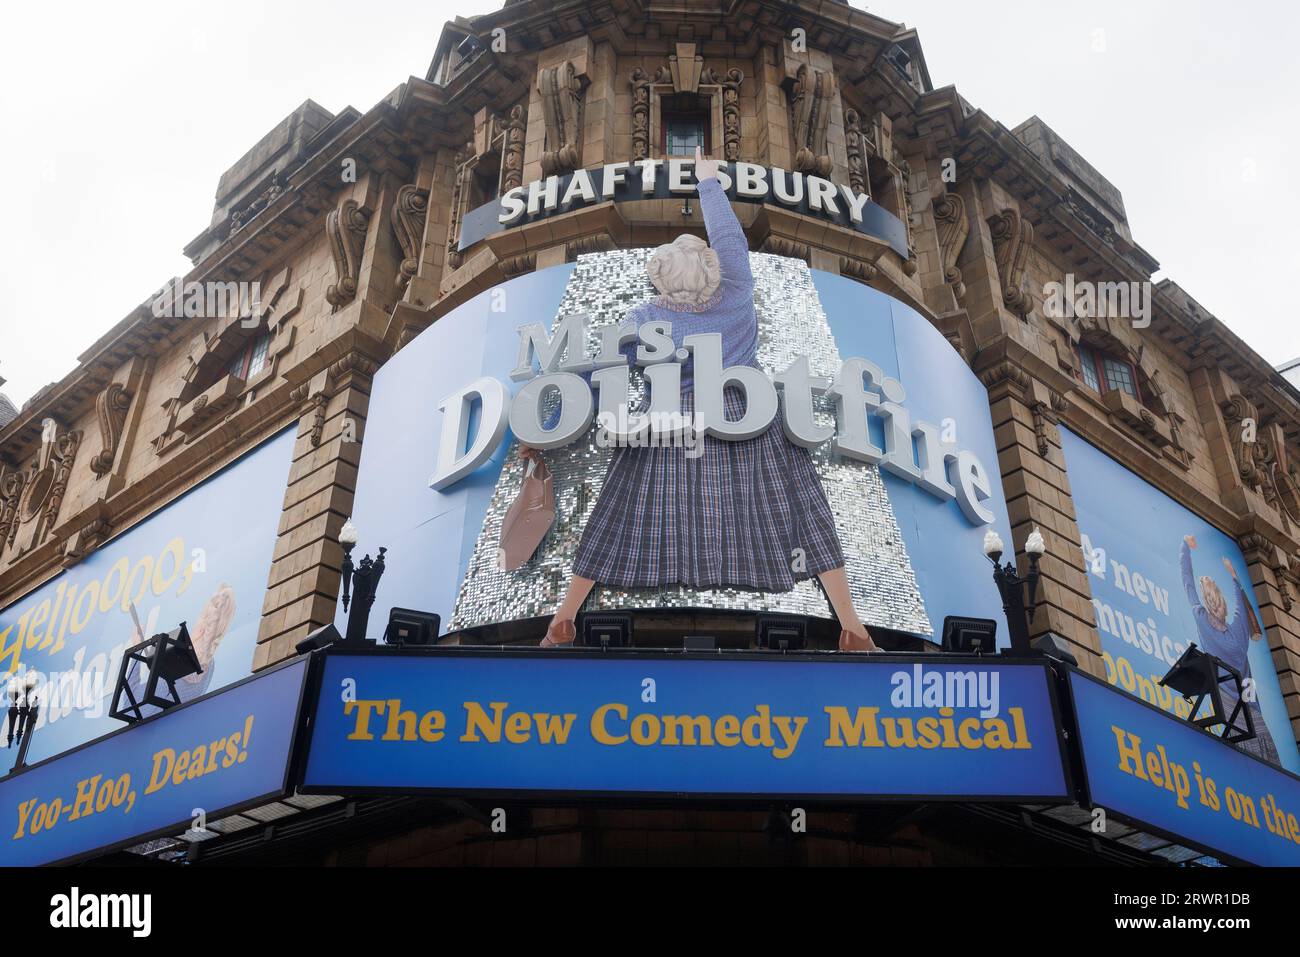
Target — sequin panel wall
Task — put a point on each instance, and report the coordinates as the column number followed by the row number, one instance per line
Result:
column 605, row 286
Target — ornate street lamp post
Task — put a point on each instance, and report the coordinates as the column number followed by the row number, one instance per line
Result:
column 360, row 583
column 24, row 707
column 1019, row 612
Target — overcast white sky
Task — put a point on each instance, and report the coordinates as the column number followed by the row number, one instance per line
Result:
column 120, row 117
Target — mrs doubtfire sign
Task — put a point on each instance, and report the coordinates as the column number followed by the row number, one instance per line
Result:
column 864, row 395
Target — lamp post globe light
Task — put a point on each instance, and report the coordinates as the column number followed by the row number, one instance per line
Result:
column 1019, row 611
column 24, row 706
column 360, row 583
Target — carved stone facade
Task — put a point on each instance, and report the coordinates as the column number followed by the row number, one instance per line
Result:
column 350, row 271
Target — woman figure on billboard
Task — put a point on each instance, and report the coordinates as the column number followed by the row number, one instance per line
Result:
column 1229, row 642
column 748, row 514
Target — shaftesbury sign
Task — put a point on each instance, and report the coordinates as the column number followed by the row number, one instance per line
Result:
column 669, row 179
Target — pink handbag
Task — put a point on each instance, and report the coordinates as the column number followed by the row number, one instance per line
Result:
column 529, row 517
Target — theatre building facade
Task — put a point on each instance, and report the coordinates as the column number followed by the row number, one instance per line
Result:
column 968, row 357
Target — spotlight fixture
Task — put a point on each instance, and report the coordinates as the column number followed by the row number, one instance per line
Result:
column 409, row 627
column 320, row 638
column 1052, row 645
column 149, row 672
column 606, row 631
column 969, row 636
column 1199, row 675
column 782, row 632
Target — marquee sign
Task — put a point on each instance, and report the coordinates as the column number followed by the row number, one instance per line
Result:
column 492, row 722
column 200, row 762
column 1164, row 774
column 672, row 179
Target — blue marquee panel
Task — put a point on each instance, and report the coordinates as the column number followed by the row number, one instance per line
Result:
column 600, row 725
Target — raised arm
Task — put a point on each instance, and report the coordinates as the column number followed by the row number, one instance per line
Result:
column 725, row 233
column 1189, row 576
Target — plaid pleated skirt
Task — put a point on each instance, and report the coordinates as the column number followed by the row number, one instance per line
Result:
column 749, row 514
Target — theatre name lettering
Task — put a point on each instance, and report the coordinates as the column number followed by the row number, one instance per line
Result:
column 674, row 178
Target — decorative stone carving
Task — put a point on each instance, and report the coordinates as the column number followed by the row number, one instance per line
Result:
column 858, row 269
column 641, row 81
column 47, row 481
column 561, row 94
column 857, row 149
column 346, row 228
column 410, row 212
column 1013, row 238
column 810, row 106
column 780, row 246
column 686, row 68
column 1257, row 549
column 518, row 265
column 1005, row 372
column 512, row 153
column 84, row 541
column 730, row 85
column 111, row 408
column 461, row 172
column 1261, row 463
column 953, row 227
column 242, row 217
column 317, row 405
column 599, row 243
column 353, row 364
column 11, row 493
column 1045, row 414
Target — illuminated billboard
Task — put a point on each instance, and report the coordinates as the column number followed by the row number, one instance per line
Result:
column 1163, row 578
column 203, row 559
column 858, row 416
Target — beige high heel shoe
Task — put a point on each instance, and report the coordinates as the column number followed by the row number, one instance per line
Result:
column 561, row 634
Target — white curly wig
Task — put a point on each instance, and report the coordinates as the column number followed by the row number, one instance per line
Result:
column 686, row 271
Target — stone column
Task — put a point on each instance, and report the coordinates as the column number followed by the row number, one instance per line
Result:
column 303, row 587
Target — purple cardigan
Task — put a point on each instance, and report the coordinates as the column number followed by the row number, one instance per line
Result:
column 730, row 311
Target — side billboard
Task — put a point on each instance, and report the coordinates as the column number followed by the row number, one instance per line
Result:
column 1163, row 578
column 203, row 560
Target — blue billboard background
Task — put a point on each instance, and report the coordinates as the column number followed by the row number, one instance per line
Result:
column 1161, row 772
column 203, row 559
column 214, row 755
column 434, row 534
column 345, row 755
column 1147, row 583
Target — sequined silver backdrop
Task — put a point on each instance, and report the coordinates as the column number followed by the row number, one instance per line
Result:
column 792, row 322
